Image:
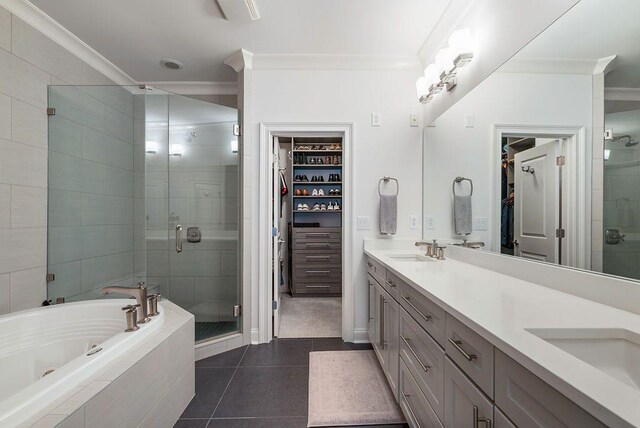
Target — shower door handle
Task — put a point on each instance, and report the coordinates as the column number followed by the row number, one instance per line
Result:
column 178, row 239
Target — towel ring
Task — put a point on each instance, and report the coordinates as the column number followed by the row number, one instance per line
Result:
column 460, row 180
column 386, row 179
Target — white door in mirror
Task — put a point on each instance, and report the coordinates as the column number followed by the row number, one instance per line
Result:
column 537, row 203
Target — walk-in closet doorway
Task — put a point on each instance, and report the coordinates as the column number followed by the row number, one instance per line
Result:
column 305, row 285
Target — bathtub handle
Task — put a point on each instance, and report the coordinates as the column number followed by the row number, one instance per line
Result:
column 178, row 239
column 131, row 314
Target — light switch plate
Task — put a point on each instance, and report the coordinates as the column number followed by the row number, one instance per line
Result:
column 469, row 121
column 413, row 120
column 429, row 222
column 363, row 222
column 376, row 118
column 413, row 222
column 480, row 223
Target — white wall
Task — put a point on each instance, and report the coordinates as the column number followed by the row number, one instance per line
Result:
column 500, row 29
column 451, row 149
column 392, row 149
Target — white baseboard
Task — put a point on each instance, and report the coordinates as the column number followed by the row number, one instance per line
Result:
column 255, row 336
column 360, row 336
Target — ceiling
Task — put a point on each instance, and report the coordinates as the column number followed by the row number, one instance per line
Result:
column 595, row 29
column 135, row 36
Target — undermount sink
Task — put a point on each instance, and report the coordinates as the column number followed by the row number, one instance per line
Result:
column 410, row 257
column 613, row 351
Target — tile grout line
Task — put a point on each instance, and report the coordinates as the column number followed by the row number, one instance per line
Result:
column 228, row 384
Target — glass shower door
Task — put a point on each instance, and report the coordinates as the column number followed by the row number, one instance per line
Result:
column 204, row 214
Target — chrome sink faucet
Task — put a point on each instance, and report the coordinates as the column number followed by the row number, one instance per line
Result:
column 139, row 292
column 434, row 250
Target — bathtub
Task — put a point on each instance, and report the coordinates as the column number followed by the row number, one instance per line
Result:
column 71, row 342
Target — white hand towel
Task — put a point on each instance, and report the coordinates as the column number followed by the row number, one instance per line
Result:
column 388, row 214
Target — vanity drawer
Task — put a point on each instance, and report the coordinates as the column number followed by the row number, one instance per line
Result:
column 317, row 247
column 313, row 259
column 424, row 359
column 471, row 352
column 318, row 274
column 529, row 401
column 417, row 410
column 376, row 270
column 430, row 316
column 464, row 404
column 314, row 234
column 392, row 284
column 302, row 287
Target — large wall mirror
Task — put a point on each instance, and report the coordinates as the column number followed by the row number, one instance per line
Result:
column 550, row 142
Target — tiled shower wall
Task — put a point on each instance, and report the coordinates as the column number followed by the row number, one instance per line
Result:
column 29, row 62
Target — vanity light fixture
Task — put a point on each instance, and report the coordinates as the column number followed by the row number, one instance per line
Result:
column 234, row 146
column 177, row 150
column 443, row 72
column 151, row 147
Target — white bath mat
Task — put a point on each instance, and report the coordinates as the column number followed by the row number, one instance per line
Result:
column 349, row 388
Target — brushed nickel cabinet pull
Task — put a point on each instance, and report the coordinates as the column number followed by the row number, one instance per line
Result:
column 413, row 414
column 426, row 317
column 477, row 419
column 318, row 272
column 317, row 286
column 318, row 257
column 456, row 344
column 317, row 244
column 406, row 342
column 392, row 284
column 369, row 264
column 382, row 302
column 310, row 234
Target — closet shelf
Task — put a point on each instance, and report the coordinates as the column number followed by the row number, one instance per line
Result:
column 314, row 197
column 318, row 183
column 318, row 211
column 317, row 151
column 310, row 165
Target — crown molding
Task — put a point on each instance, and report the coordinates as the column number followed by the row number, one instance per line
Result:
column 240, row 60
column 622, row 94
column 56, row 32
column 197, row 88
column 558, row 65
column 334, row 62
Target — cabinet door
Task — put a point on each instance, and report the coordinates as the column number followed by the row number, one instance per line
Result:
column 391, row 334
column 464, row 405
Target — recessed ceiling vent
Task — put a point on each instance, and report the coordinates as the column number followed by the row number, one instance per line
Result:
column 171, row 64
column 239, row 10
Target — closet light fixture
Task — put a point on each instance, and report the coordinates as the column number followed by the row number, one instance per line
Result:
column 234, row 146
column 151, row 147
column 442, row 73
column 177, row 150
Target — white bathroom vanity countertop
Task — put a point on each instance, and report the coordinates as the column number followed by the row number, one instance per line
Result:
column 501, row 308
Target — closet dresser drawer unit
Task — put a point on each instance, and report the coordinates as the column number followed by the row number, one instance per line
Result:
column 424, row 358
column 471, row 352
column 413, row 403
column 529, row 401
column 317, row 261
column 430, row 316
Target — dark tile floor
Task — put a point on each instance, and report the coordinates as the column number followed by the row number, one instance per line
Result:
column 258, row 386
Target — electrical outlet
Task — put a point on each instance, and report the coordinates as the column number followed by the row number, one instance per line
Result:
column 376, row 118
column 363, row 223
column 413, row 222
column 429, row 222
column 413, row 120
column 469, row 121
column 480, row 223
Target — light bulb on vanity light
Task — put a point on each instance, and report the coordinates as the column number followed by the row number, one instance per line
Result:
column 151, row 147
column 461, row 45
column 422, row 89
column 432, row 75
column 444, row 60
column 177, row 150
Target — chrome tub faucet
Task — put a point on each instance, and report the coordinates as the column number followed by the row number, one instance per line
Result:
column 139, row 292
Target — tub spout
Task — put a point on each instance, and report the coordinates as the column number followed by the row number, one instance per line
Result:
column 140, row 294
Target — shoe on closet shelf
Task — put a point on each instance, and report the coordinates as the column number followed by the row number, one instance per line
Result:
column 298, row 192
column 331, row 177
column 332, row 147
column 299, row 207
column 315, row 192
column 305, row 207
column 330, row 207
column 305, row 192
column 320, row 192
column 321, row 179
column 316, row 207
column 323, row 207
column 337, row 177
column 338, row 147
column 336, row 207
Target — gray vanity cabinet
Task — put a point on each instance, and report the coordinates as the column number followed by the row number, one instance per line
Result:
column 464, row 404
column 530, row 402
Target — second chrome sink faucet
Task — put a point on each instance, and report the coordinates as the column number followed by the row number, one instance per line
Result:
column 434, row 250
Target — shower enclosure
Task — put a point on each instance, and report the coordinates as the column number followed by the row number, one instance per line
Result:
column 144, row 186
column 621, row 247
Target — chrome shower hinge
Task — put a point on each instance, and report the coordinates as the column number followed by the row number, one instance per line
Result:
column 237, row 311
